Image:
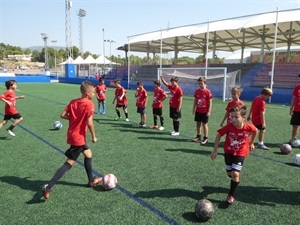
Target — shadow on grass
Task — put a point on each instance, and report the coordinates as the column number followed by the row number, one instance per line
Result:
column 4, row 138
column 266, row 196
column 193, row 151
column 169, row 138
column 34, row 186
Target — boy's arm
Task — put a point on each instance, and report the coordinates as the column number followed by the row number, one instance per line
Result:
column 250, row 113
column 180, row 103
column 4, row 100
column 194, row 106
column 114, row 99
column 253, row 135
column 163, row 80
column 292, row 105
column 64, row 115
column 20, row 97
column 224, row 118
column 90, row 124
column 210, row 106
column 263, row 120
column 146, row 100
column 214, row 152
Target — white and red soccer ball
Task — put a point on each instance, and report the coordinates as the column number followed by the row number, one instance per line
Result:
column 109, row 181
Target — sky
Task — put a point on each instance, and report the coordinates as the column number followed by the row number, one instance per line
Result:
column 23, row 21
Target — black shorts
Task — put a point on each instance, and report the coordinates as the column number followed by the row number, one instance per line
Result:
column 15, row 116
column 201, row 117
column 174, row 114
column 141, row 111
column 74, row 151
column 295, row 119
column 157, row 111
column 233, row 162
column 121, row 106
column 259, row 127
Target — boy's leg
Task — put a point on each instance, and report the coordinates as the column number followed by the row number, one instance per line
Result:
column 205, row 133
column 104, row 107
column 3, row 123
column 99, row 108
column 294, row 131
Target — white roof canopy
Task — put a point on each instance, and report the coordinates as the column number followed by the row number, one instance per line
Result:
column 253, row 31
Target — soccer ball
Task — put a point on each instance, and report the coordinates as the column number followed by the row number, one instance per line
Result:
column 57, row 125
column 297, row 159
column 204, row 209
column 109, row 181
column 296, row 143
column 285, row 149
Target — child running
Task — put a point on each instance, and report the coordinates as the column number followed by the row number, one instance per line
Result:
column 101, row 96
column 236, row 147
column 80, row 113
column 141, row 102
column 235, row 95
column 121, row 99
column 10, row 112
column 159, row 96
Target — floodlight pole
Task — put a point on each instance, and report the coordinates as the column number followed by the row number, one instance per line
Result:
column 45, row 38
column 54, row 41
column 110, row 41
column 103, row 68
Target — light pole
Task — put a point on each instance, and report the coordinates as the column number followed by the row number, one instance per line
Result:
column 110, row 41
column 45, row 38
column 54, row 41
column 103, row 53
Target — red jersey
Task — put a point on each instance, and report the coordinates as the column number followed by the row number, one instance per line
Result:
column 230, row 105
column 79, row 110
column 237, row 140
column 119, row 92
column 10, row 96
column 296, row 94
column 141, row 98
column 100, row 91
column 202, row 97
column 176, row 94
column 158, row 95
column 258, row 106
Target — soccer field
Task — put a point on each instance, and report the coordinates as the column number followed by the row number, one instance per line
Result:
column 160, row 177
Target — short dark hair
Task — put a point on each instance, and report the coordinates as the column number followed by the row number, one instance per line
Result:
column 202, row 79
column 157, row 82
column 174, row 79
column 9, row 83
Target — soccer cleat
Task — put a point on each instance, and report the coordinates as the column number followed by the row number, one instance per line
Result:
column 230, row 199
column 196, row 139
column 95, row 182
column 10, row 132
column 127, row 120
column 161, row 128
column 117, row 118
column 144, row 125
column 204, row 141
column 175, row 133
column 154, row 127
column 172, row 132
column 262, row 146
column 46, row 191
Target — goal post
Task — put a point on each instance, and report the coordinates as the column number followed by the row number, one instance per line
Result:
column 219, row 81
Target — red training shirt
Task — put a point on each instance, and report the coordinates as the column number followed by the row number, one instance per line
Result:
column 296, row 94
column 158, row 96
column 10, row 96
column 100, row 90
column 230, row 105
column 118, row 92
column 202, row 97
column 176, row 94
column 258, row 106
column 141, row 98
column 79, row 110
column 237, row 140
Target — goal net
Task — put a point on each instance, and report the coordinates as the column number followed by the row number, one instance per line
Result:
column 218, row 80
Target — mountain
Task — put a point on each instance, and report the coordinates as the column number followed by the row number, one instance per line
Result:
column 39, row 48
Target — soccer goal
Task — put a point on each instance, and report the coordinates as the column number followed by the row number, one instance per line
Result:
column 219, row 81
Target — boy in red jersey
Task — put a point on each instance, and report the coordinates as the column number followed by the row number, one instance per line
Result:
column 120, row 97
column 295, row 111
column 175, row 103
column 9, row 97
column 257, row 115
column 101, row 96
column 235, row 95
column 236, row 147
column 141, row 102
column 80, row 113
column 202, row 109
column 159, row 96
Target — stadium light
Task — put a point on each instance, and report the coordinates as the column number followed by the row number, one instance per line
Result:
column 54, row 41
column 110, row 41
